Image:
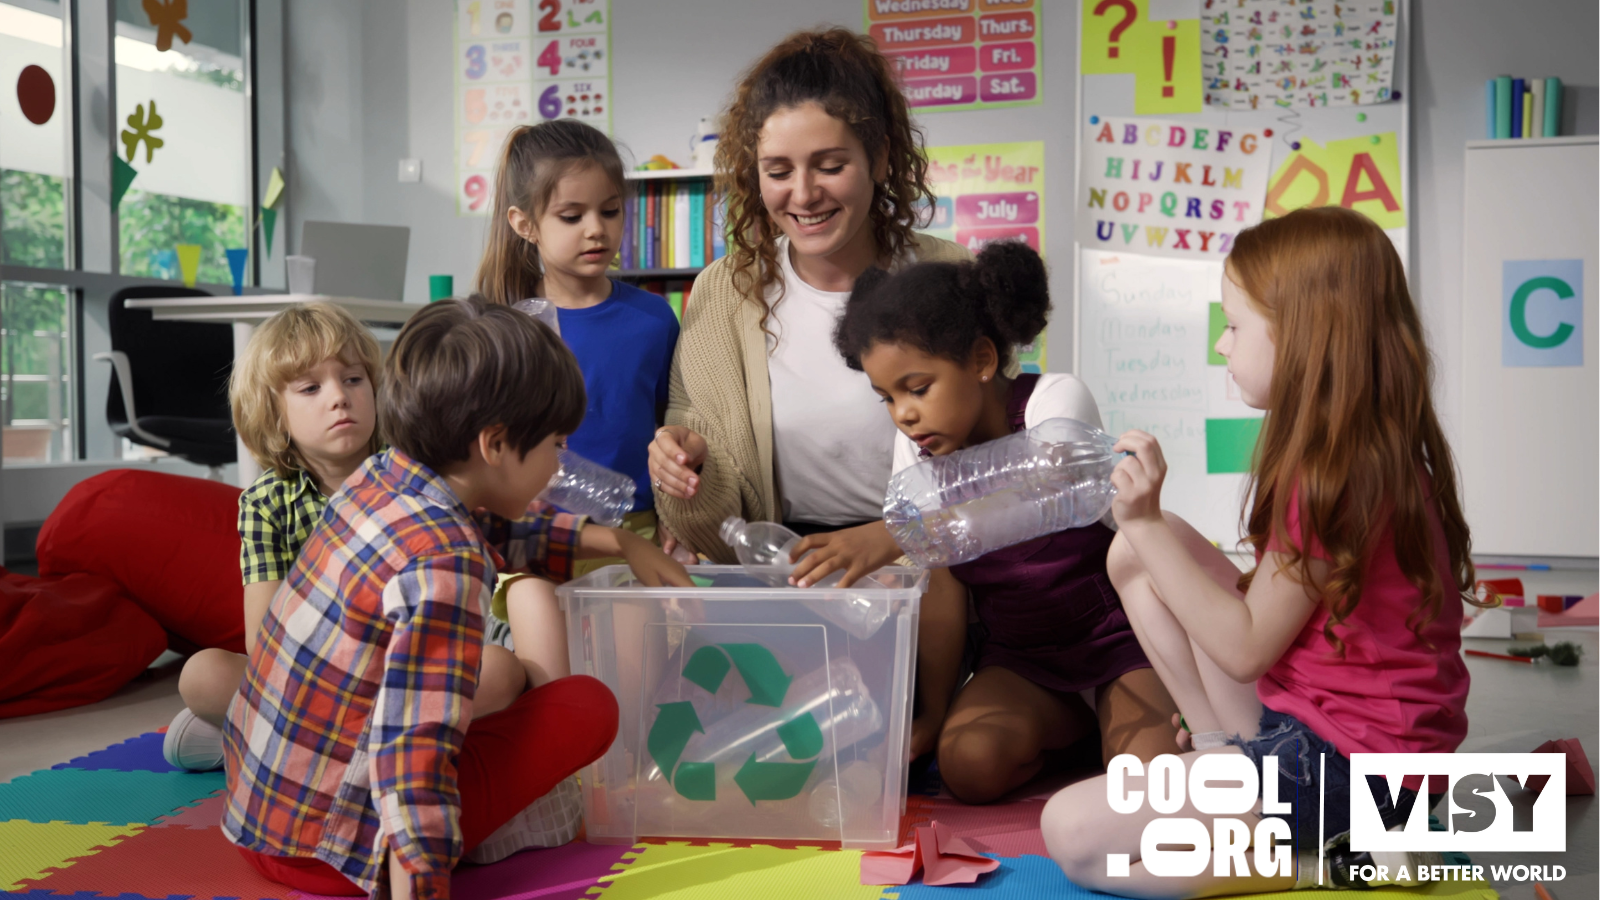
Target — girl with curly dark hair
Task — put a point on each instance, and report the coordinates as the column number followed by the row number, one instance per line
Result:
column 825, row 175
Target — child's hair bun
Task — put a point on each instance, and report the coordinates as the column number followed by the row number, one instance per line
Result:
column 1009, row 284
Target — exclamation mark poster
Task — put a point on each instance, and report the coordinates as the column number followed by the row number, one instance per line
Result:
column 1163, row 55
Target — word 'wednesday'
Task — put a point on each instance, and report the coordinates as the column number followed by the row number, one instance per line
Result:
column 1171, row 203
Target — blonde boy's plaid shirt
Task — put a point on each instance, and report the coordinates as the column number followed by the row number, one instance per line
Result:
column 276, row 516
column 342, row 742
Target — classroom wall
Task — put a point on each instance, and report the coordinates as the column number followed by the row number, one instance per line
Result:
column 369, row 82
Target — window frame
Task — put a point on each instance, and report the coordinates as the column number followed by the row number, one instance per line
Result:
column 93, row 253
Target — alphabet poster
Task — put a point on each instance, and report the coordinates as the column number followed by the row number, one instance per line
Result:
column 1298, row 53
column 1181, row 190
column 521, row 62
column 961, row 54
column 1360, row 173
column 986, row 193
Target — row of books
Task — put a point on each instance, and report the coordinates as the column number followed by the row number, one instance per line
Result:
column 675, row 292
column 672, row 224
column 1523, row 107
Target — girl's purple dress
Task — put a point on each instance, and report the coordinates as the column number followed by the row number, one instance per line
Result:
column 1046, row 609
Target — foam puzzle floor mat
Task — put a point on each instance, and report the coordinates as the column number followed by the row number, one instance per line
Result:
column 122, row 823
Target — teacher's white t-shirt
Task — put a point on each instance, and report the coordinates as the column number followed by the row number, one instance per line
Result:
column 832, row 437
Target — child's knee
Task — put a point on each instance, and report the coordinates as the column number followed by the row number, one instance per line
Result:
column 501, row 679
column 1072, row 833
column 976, row 762
column 209, row 680
column 600, row 715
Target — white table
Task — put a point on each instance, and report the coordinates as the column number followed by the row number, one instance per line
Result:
column 245, row 313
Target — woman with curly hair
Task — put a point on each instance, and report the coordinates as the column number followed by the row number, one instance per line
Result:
column 825, row 177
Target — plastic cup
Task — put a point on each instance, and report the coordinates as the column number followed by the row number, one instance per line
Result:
column 302, row 274
column 441, row 287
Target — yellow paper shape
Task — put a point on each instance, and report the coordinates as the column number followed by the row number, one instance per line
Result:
column 1139, row 49
column 275, row 185
column 189, row 262
column 1355, row 173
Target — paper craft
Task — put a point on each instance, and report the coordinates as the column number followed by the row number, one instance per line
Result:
column 1585, row 612
column 189, row 263
column 269, row 223
column 1580, row 775
column 166, row 16
column 122, row 176
column 142, row 130
column 236, row 260
column 943, row 859
column 1298, row 53
column 1361, row 173
column 275, row 186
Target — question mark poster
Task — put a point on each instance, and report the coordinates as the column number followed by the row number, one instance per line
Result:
column 521, row 62
column 961, row 54
column 1163, row 56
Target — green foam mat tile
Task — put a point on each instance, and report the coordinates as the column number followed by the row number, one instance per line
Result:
column 83, row 797
column 681, row 871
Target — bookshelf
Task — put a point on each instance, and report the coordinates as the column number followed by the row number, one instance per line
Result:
column 699, row 182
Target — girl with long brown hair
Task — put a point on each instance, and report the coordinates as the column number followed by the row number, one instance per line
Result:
column 825, row 176
column 1346, row 636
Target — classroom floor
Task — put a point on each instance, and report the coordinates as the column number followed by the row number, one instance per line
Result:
column 1511, row 708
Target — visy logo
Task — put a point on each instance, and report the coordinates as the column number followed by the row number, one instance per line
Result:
column 1496, row 810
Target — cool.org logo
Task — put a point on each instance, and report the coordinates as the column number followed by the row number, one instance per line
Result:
column 1517, row 802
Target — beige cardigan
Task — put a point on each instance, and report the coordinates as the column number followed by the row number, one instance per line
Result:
column 719, row 389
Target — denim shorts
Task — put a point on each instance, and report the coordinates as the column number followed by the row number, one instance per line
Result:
column 1312, row 773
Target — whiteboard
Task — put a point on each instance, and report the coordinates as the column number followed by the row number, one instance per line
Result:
column 1526, row 441
column 1142, row 323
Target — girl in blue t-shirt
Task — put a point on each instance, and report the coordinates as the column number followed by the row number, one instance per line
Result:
column 556, row 227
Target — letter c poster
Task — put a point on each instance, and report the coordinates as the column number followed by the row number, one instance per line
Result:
column 961, row 54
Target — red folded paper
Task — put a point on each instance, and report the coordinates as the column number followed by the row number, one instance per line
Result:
column 943, row 858
column 1580, row 776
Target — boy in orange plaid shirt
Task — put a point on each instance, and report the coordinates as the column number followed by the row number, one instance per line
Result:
column 354, row 764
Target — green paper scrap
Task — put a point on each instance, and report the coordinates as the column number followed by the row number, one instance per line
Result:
column 772, row 781
column 275, row 186
column 1230, row 444
column 122, row 176
column 761, row 673
column 142, row 126
column 701, row 581
column 189, row 263
column 269, row 224
column 675, row 724
column 801, row 736
column 1219, row 323
column 697, row 781
column 706, row 668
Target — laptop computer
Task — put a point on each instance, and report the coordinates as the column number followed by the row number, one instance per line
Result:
column 367, row 261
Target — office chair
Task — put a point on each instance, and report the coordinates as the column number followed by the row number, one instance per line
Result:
column 169, row 381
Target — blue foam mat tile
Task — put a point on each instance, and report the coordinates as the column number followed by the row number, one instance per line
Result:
column 83, row 796
column 1025, row 877
column 139, row 754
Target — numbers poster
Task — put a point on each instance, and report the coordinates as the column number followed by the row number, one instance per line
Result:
column 521, row 62
column 990, row 192
column 961, row 54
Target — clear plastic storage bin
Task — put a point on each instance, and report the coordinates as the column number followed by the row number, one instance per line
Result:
column 749, row 711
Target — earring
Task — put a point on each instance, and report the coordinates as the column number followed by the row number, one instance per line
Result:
column 984, row 379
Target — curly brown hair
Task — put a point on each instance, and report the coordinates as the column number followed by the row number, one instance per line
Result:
column 844, row 73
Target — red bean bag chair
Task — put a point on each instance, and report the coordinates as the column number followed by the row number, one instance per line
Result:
column 170, row 541
column 69, row 641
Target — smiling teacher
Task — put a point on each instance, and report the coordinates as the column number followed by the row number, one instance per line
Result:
column 825, row 177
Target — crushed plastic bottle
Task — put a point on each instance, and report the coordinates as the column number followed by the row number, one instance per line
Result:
column 763, row 549
column 955, row 508
column 590, row 489
column 858, row 788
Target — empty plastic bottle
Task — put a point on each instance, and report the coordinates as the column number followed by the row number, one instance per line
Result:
column 590, row 489
column 763, row 549
column 955, row 508
column 541, row 309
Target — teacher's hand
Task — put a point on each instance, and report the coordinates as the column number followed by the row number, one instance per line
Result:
column 676, row 456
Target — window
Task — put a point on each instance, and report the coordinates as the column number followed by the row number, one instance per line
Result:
column 184, row 130
column 178, row 169
column 34, row 127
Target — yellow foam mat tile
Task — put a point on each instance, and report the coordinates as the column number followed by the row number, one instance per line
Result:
column 32, row 847
column 1433, row 890
column 680, row 871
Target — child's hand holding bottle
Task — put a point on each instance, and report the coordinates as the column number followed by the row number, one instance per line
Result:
column 1138, row 480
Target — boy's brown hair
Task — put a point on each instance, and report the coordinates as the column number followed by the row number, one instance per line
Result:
column 283, row 348
column 460, row 366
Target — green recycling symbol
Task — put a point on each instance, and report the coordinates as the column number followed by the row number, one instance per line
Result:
column 768, row 684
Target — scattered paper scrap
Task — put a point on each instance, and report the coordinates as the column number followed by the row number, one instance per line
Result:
column 943, row 859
